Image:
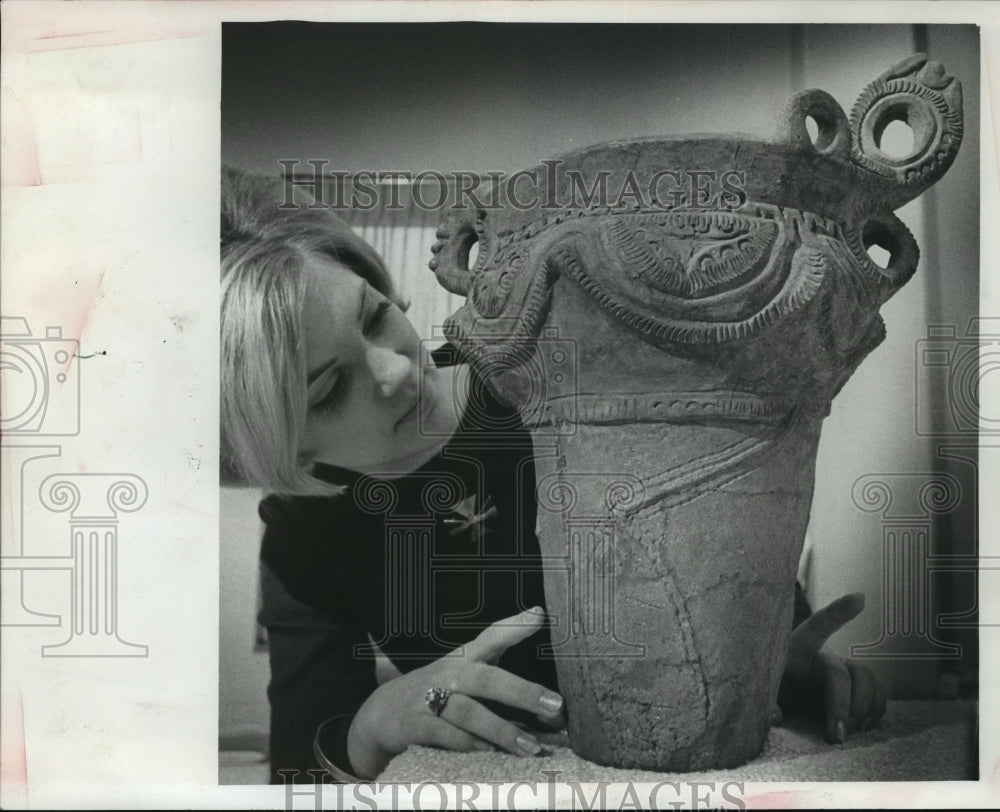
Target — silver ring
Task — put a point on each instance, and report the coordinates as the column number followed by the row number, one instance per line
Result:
column 436, row 698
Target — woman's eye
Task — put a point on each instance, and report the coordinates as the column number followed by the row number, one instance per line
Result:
column 332, row 396
column 377, row 317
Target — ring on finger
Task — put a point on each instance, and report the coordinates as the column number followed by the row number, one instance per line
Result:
column 436, row 698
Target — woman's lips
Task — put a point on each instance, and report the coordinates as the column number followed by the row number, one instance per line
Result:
column 421, row 407
column 423, row 404
column 410, row 413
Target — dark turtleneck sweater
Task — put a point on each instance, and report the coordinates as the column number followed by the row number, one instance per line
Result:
column 422, row 563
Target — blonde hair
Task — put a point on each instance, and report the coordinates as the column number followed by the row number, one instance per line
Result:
column 266, row 238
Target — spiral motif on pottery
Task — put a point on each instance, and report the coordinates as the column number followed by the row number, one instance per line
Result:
column 491, row 291
column 756, row 278
column 441, row 493
column 624, row 493
column 940, row 494
column 127, row 495
column 688, row 255
column 556, row 494
column 59, row 495
column 919, row 93
column 872, row 495
column 375, row 495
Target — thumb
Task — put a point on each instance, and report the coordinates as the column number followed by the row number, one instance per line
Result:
column 810, row 635
column 496, row 638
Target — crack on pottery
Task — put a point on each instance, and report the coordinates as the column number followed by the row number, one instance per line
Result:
column 689, row 641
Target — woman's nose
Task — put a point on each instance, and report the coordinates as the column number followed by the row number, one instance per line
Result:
column 390, row 369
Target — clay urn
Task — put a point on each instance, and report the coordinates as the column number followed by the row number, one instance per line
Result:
column 672, row 317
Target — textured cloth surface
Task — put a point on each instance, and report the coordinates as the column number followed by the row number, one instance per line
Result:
column 915, row 741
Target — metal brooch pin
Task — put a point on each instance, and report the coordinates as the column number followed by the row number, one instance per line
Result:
column 465, row 508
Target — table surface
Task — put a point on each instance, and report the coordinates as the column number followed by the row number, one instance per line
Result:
column 915, row 741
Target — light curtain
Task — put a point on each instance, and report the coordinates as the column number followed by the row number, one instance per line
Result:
column 403, row 238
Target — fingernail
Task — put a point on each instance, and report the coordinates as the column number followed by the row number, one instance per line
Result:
column 482, row 746
column 529, row 744
column 534, row 610
column 551, row 703
column 840, row 731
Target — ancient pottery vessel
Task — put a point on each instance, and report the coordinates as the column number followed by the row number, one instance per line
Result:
column 672, row 316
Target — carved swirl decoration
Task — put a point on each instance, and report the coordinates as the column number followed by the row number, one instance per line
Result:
column 921, row 94
column 689, row 254
column 772, row 292
column 732, row 283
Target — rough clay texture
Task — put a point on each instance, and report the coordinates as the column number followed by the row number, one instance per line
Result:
column 674, row 354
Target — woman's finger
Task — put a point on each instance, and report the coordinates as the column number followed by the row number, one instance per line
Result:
column 490, row 682
column 836, row 681
column 862, row 691
column 440, row 733
column 467, row 714
column 500, row 636
column 777, row 717
column 810, row 635
column 557, row 722
column 877, row 708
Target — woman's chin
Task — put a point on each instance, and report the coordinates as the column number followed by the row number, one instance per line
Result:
column 409, row 458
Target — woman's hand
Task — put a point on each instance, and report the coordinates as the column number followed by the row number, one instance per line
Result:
column 396, row 714
column 847, row 693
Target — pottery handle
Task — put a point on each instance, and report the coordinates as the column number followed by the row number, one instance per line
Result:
column 889, row 233
column 455, row 237
column 919, row 93
column 833, row 133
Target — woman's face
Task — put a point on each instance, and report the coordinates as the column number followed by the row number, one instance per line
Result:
column 363, row 363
